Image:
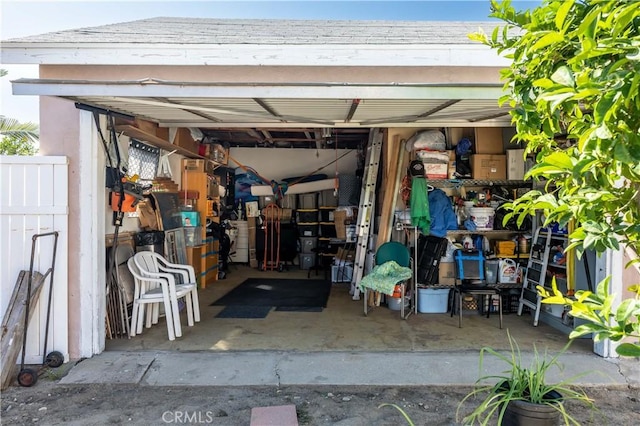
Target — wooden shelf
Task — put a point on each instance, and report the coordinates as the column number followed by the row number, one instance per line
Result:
column 513, row 256
column 138, row 134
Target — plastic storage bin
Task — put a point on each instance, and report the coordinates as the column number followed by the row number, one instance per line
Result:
column 307, row 261
column 308, row 229
column 307, row 216
column 491, row 271
column 433, row 300
column 308, row 244
column 308, row 201
column 469, row 264
column 341, row 274
column 328, row 230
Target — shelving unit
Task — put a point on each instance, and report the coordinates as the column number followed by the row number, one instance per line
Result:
column 456, row 183
column 204, row 258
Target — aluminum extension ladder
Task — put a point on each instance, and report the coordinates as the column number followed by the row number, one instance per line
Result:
column 366, row 209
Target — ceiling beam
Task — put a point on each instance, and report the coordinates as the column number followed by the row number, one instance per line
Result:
column 352, row 110
column 488, row 117
column 198, row 113
column 439, row 108
column 268, row 108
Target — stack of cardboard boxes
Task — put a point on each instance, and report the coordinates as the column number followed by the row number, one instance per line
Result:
column 491, row 161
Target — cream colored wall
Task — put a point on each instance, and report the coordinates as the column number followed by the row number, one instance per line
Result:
column 59, row 135
column 276, row 164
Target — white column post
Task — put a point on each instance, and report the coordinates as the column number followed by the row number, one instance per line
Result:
column 92, row 241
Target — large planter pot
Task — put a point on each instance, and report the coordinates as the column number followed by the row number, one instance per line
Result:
column 521, row 413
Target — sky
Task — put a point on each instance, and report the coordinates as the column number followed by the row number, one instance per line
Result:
column 20, row 18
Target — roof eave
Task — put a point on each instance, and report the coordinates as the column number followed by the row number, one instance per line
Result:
column 463, row 55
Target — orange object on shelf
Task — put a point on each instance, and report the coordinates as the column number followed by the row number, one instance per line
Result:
column 127, row 204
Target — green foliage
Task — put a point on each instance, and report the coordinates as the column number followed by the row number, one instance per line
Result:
column 18, row 138
column 573, row 88
column 521, row 383
column 602, row 320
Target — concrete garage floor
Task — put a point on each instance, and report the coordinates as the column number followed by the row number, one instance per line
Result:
column 342, row 326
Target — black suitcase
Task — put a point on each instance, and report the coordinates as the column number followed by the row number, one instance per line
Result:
column 430, row 250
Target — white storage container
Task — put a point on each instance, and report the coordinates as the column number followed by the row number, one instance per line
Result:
column 240, row 241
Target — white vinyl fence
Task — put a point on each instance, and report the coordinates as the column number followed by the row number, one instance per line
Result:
column 34, row 200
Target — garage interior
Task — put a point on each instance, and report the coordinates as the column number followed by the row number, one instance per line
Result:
column 341, row 326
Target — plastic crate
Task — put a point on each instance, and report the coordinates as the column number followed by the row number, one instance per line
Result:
column 308, row 201
column 308, row 244
column 326, row 214
column 328, row 230
column 308, row 229
column 307, row 216
column 307, row 261
column 430, row 250
column 327, row 198
column 469, row 264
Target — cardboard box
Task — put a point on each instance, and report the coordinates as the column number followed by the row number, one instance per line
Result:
column 488, row 140
column 454, row 134
column 446, row 273
column 515, row 164
column 193, row 165
column 490, row 167
column 436, row 170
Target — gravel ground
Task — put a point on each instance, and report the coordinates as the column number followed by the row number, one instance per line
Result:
column 49, row 403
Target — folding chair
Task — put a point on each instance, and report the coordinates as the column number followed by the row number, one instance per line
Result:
column 470, row 280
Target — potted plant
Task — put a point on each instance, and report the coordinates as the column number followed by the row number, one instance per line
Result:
column 521, row 395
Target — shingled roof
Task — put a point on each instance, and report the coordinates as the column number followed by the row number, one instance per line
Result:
column 166, row 30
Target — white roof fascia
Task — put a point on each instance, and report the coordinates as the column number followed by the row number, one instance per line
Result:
column 154, row 88
column 468, row 55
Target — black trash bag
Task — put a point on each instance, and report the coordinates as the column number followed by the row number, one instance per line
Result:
column 149, row 238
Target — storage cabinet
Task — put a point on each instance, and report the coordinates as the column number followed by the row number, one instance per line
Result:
column 207, row 206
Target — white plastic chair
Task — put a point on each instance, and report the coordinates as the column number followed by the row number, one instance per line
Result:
column 151, row 264
column 153, row 291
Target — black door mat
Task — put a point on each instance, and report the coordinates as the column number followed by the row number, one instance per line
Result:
column 278, row 292
column 239, row 311
column 299, row 309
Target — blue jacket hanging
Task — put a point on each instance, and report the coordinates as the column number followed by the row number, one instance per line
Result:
column 443, row 217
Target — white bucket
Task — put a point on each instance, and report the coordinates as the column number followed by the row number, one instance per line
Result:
column 482, row 217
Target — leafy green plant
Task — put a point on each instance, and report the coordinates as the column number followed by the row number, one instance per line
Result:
column 602, row 320
column 521, row 383
column 573, row 88
column 17, row 138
